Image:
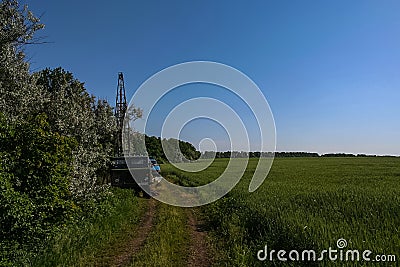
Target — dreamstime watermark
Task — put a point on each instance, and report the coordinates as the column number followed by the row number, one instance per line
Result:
column 155, row 89
column 339, row 253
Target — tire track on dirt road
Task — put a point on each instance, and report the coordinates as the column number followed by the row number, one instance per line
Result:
column 126, row 252
column 199, row 254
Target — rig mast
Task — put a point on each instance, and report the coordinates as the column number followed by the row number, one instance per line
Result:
column 120, row 110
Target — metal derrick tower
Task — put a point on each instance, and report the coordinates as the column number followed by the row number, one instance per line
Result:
column 120, row 111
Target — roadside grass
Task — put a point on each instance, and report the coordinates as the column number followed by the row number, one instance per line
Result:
column 304, row 204
column 167, row 245
column 88, row 241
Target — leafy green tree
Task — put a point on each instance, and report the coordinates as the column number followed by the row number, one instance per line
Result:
column 35, row 178
column 55, row 141
column 155, row 149
column 18, row 95
column 72, row 111
column 189, row 150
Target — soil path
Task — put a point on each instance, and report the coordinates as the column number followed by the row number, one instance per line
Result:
column 126, row 252
column 199, row 255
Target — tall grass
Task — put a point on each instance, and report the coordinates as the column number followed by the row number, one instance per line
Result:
column 305, row 203
column 167, row 244
column 84, row 241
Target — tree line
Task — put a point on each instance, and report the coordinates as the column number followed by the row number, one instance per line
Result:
column 182, row 151
column 243, row 154
column 55, row 141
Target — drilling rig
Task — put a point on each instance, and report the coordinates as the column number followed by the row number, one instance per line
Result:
column 120, row 111
column 128, row 171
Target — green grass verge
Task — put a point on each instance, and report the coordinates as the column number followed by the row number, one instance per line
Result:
column 167, row 244
column 90, row 238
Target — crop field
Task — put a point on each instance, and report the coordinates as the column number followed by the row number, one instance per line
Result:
column 304, row 204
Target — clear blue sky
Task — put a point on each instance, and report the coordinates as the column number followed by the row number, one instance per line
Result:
column 329, row 69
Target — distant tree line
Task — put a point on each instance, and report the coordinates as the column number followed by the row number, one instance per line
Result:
column 181, row 150
column 242, row 154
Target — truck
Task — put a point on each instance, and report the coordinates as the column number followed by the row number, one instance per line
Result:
column 134, row 172
column 155, row 165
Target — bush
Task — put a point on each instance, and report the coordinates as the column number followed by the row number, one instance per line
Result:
column 34, row 180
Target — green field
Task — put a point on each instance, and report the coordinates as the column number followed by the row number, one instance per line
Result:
column 304, row 204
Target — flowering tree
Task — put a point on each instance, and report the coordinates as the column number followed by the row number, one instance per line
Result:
column 55, row 139
column 73, row 112
column 18, row 95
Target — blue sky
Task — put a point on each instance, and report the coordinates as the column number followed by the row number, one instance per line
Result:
column 330, row 70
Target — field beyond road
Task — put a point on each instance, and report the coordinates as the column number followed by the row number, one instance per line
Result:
column 304, row 204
